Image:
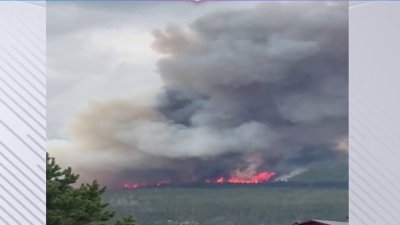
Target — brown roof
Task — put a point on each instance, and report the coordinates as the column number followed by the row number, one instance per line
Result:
column 322, row 222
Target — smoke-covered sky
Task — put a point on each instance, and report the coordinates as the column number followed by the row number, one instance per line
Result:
column 186, row 91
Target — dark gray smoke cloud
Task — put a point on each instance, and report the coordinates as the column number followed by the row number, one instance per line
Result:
column 278, row 73
column 244, row 90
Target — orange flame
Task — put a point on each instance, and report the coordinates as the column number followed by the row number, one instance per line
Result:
column 259, row 178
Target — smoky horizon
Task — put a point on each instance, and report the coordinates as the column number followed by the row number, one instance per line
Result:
column 243, row 93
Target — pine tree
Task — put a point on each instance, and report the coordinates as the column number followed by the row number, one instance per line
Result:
column 68, row 205
column 126, row 221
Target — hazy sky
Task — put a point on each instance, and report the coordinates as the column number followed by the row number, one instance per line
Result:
column 101, row 50
column 185, row 91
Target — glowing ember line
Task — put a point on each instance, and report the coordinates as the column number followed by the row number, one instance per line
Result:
column 259, row 178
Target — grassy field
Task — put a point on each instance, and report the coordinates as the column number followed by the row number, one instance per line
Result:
column 257, row 205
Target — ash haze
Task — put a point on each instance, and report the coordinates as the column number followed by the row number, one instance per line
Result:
column 184, row 91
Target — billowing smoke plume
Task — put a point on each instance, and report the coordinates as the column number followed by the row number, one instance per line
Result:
column 263, row 88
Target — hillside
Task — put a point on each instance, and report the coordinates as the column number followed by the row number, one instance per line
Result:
column 327, row 172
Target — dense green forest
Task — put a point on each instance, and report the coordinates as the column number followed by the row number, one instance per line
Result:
column 258, row 205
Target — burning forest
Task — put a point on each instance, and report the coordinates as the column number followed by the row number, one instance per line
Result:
column 259, row 178
column 245, row 95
